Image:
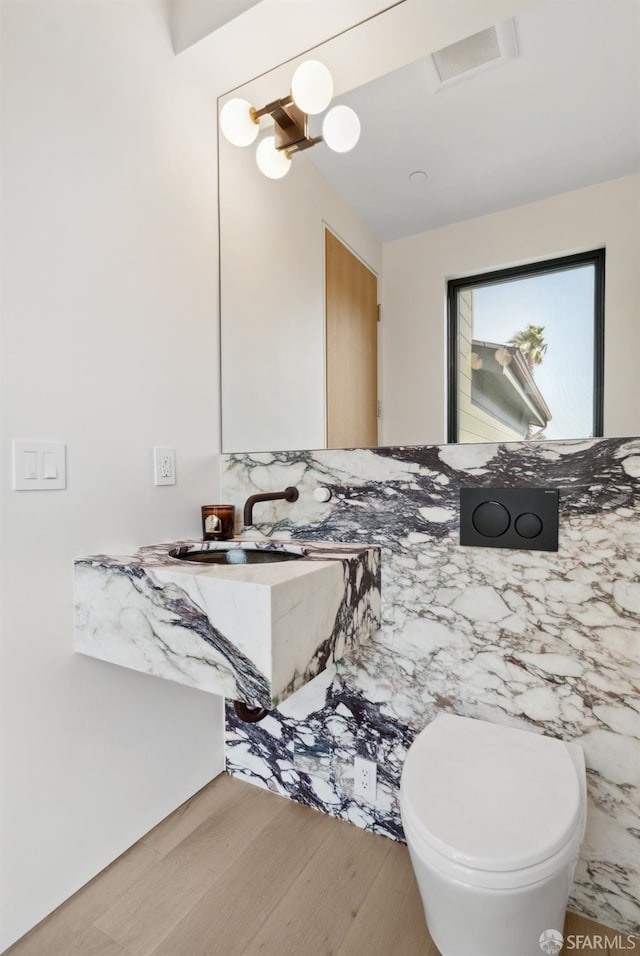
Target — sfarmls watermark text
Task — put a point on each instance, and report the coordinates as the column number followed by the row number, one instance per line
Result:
column 552, row 942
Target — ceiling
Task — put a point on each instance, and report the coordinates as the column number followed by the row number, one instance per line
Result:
column 564, row 114
column 191, row 20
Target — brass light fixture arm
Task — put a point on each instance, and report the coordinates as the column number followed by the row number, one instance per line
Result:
column 271, row 108
column 291, row 125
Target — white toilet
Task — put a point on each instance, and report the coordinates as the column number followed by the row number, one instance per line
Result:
column 493, row 818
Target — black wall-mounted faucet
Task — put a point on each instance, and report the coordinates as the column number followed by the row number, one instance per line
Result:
column 289, row 494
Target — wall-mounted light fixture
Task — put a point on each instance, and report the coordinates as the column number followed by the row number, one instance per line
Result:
column 311, row 92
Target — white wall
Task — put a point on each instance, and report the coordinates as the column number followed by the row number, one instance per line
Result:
column 109, row 343
column 416, row 270
column 272, row 267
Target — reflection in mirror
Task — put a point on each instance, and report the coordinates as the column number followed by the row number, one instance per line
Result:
column 526, row 358
column 531, row 154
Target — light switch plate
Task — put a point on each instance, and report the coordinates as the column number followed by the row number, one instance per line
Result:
column 33, row 461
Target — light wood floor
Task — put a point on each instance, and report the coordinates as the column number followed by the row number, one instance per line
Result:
column 237, row 870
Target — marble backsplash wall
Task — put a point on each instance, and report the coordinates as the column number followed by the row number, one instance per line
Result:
column 541, row 640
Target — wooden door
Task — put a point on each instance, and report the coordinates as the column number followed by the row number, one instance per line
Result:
column 351, row 297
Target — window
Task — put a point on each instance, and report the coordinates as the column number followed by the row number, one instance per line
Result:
column 526, row 351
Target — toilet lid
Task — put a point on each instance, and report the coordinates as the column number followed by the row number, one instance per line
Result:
column 490, row 797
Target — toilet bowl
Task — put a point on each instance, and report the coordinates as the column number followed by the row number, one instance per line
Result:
column 493, row 817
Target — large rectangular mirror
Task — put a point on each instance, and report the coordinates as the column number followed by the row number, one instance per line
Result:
column 493, row 134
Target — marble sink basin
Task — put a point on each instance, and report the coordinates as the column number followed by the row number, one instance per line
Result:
column 237, row 552
column 251, row 632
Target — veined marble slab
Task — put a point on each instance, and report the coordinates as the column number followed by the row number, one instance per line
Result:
column 249, row 632
column 540, row 640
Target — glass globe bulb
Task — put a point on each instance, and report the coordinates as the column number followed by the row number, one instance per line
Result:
column 341, row 129
column 236, row 123
column 272, row 162
column 312, row 87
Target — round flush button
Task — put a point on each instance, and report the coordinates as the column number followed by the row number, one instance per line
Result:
column 528, row 525
column 491, row 519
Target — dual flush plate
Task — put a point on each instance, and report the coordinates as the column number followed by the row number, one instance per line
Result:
column 509, row 518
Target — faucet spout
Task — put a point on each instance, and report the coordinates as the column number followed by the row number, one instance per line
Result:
column 289, row 494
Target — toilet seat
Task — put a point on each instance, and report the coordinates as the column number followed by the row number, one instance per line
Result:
column 504, row 828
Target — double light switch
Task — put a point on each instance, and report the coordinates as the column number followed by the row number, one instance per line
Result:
column 38, row 466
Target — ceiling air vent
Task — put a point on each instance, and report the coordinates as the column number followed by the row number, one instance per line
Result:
column 465, row 58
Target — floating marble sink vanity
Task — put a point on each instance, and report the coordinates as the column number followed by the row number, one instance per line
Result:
column 251, row 620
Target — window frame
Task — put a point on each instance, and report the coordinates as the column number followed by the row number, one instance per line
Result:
column 594, row 257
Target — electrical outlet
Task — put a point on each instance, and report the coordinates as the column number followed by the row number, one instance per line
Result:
column 364, row 779
column 164, row 466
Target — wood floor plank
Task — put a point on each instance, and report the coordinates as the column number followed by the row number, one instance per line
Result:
column 621, row 944
column 62, row 934
column 167, row 892
column 73, row 918
column 317, row 912
column 227, row 831
column 596, row 938
column 240, row 871
column 54, row 934
column 112, row 883
column 141, row 919
column 183, row 821
column 95, row 943
column 231, row 913
column 392, row 911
